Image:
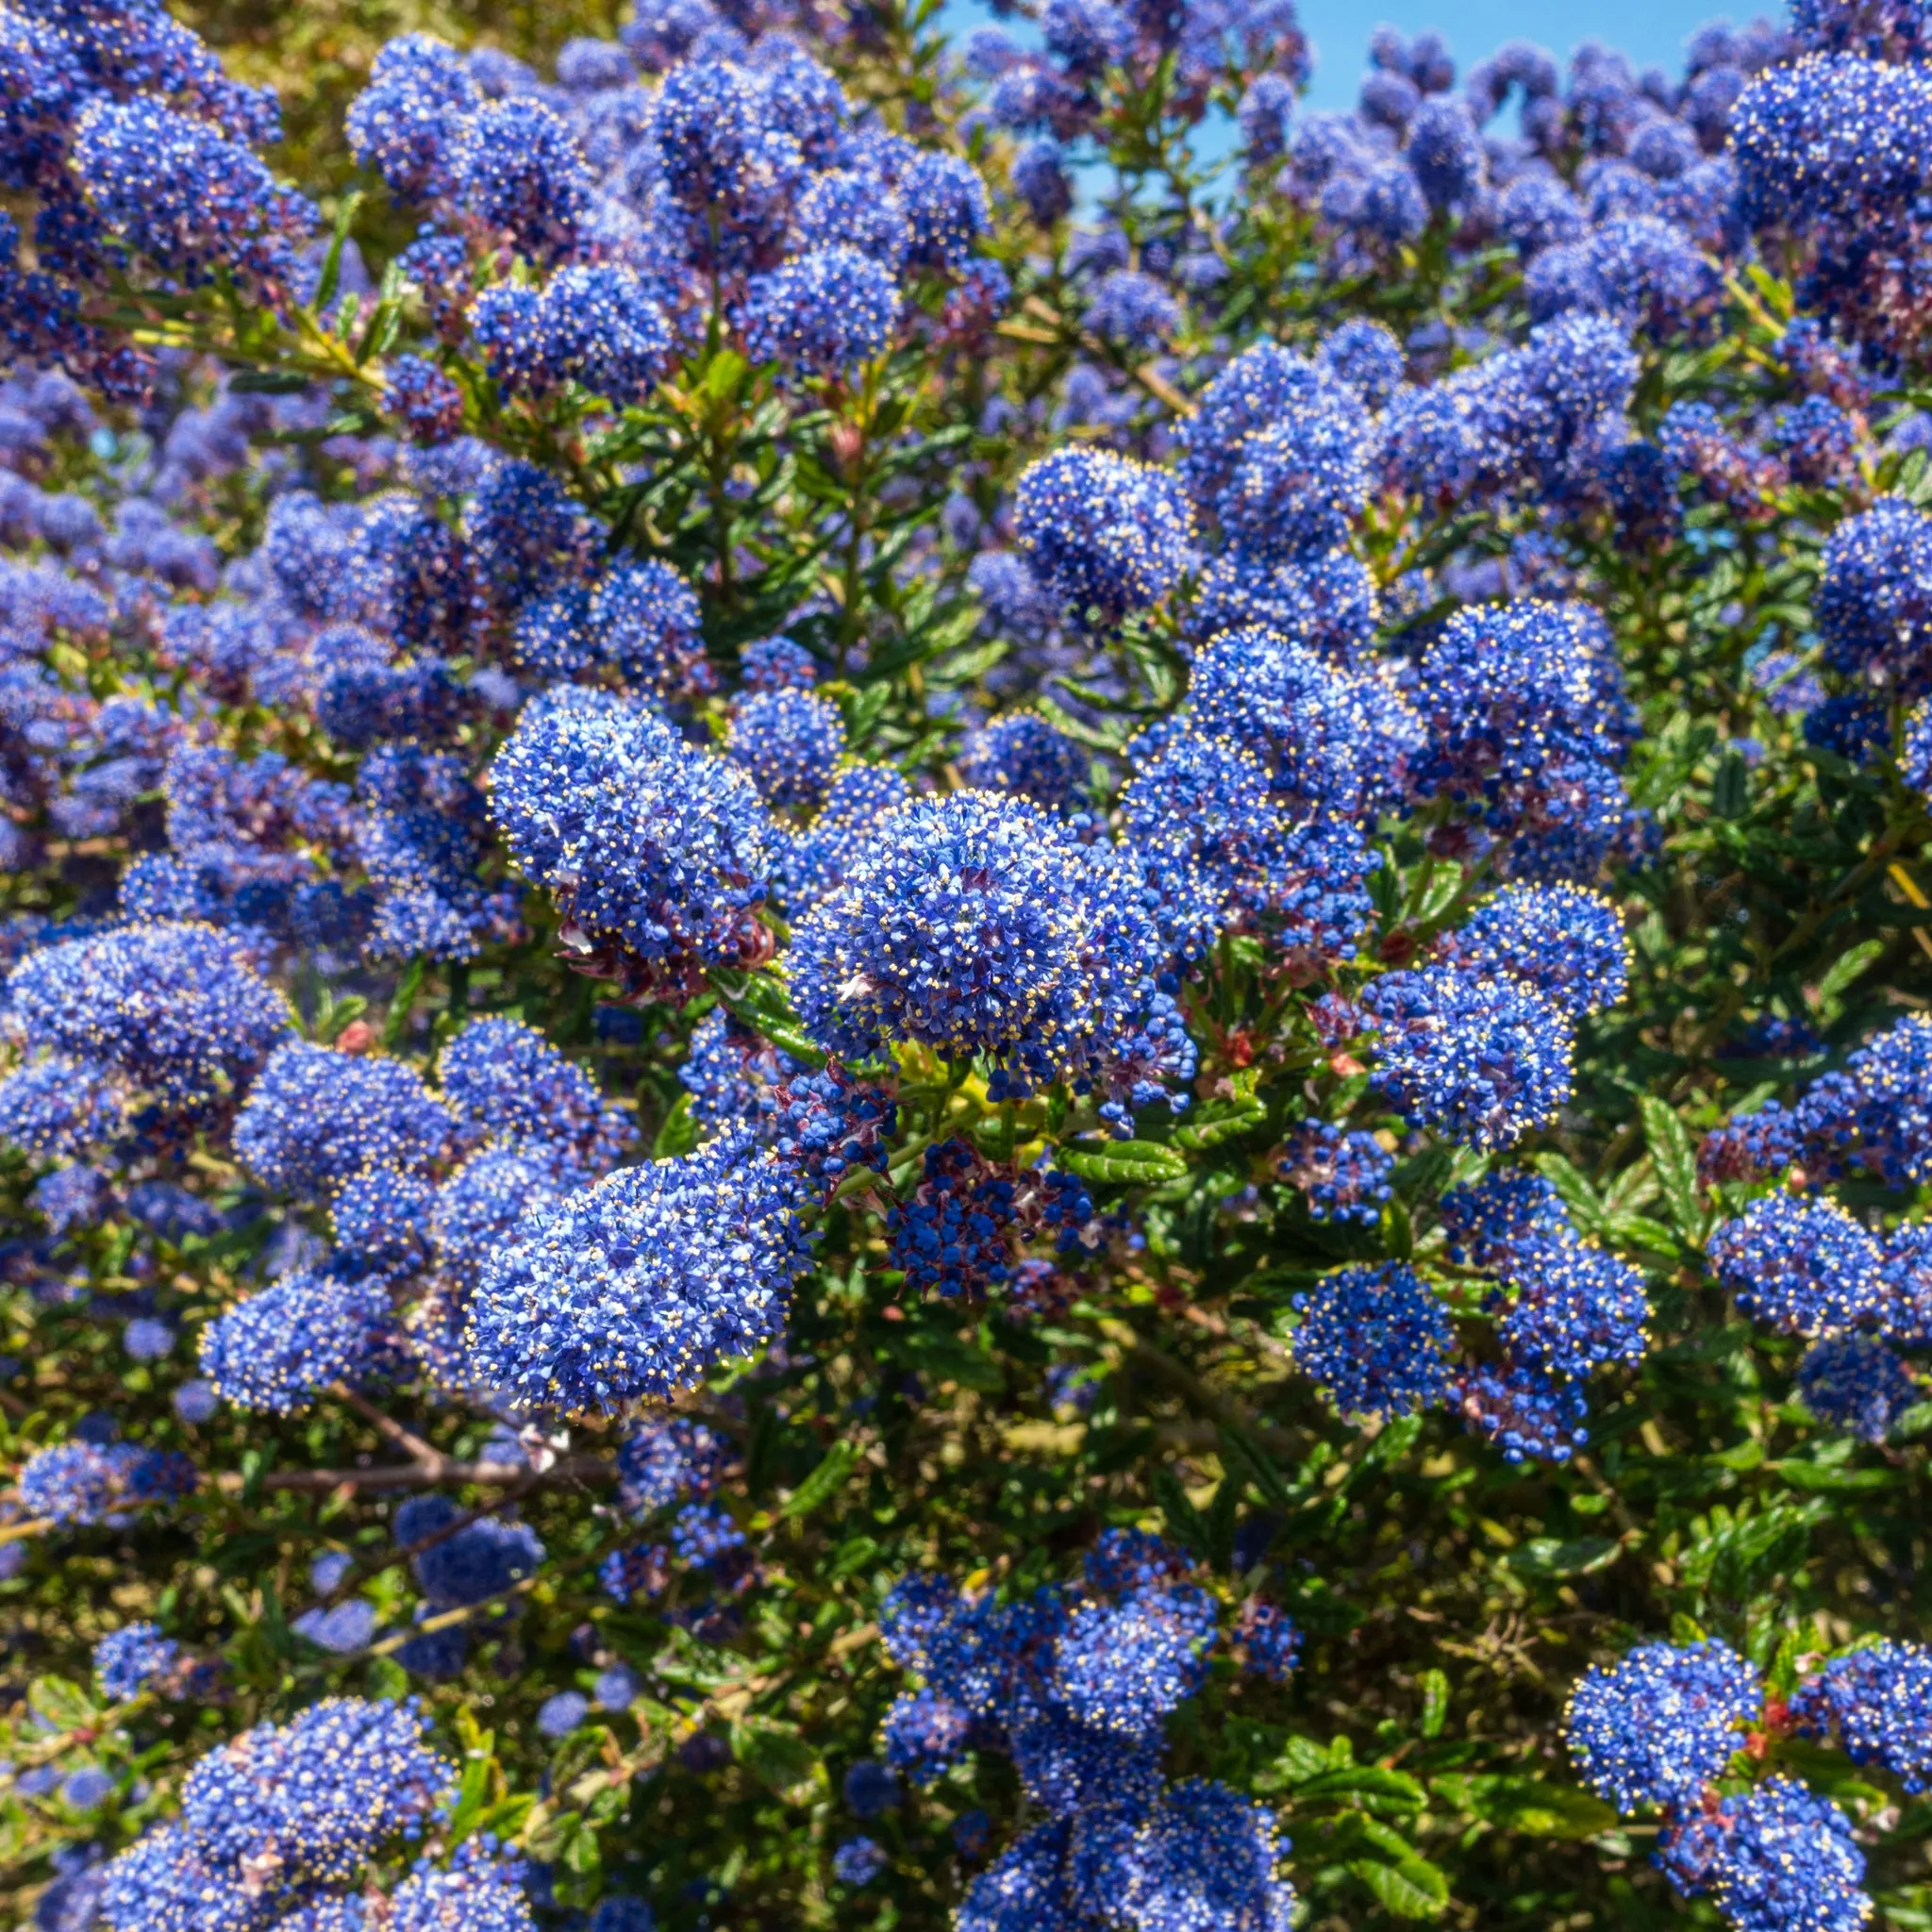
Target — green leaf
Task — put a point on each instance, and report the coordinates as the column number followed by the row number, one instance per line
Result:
column 1676, row 1164
column 1544, row 1555
column 1240, row 1449
column 1221, row 1522
column 966, row 666
column 331, row 275
column 863, row 709
column 823, row 1483
column 1569, row 1181
column 1221, row 1120
column 65, row 1706
column 268, row 382
column 1435, row 1703
column 1375, row 1786
column 402, row 1002
column 1126, row 1163
column 1640, row 1231
column 1527, row 1804
column 1182, row 1520
column 1825, row 1481
column 1412, row 1890
column 679, row 1134
column 946, row 1359
column 778, row 1756
column 1839, row 975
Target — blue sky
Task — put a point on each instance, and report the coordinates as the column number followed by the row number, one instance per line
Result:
column 1651, row 32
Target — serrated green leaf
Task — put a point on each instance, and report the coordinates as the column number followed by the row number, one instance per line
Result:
column 1412, row 1890
column 1674, row 1162
column 1126, row 1163
column 1219, row 1120
column 778, row 1756
column 823, row 1483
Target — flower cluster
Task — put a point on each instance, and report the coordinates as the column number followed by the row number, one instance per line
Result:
column 1076, row 1686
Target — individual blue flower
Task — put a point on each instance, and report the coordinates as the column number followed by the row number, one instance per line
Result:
column 518, row 170
column 1572, row 1307
column 923, row 1732
column 1375, row 1340
column 1662, row 1723
column 1132, row 309
column 1041, row 179
column 870, row 1789
column 504, row 1081
column 1804, row 1266
column 666, row 1462
column 1875, row 606
column 177, row 191
column 468, row 1564
column 1206, row 1855
column 858, row 799
column 777, row 664
column 1123, row 1668
column 945, row 206
column 1445, row 152
column 405, row 124
column 1327, row 602
column 1526, row 1411
column 972, row 923
column 1779, row 1859
column 1104, row 534
column 644, row 620
column 482, row 1890
column 639, row 1285
column 56, row 1106
column 1366, row 356
column 1278, row 453
column 1024, row 1889
column 844, row 209
column 1332, row 740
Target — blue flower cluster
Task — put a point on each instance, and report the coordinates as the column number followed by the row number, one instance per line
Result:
column 639, row 1284
column 656, row 851
column 281, row 1820
column 130, row 1659
column 1662, row 1726
column 1076, row 1685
